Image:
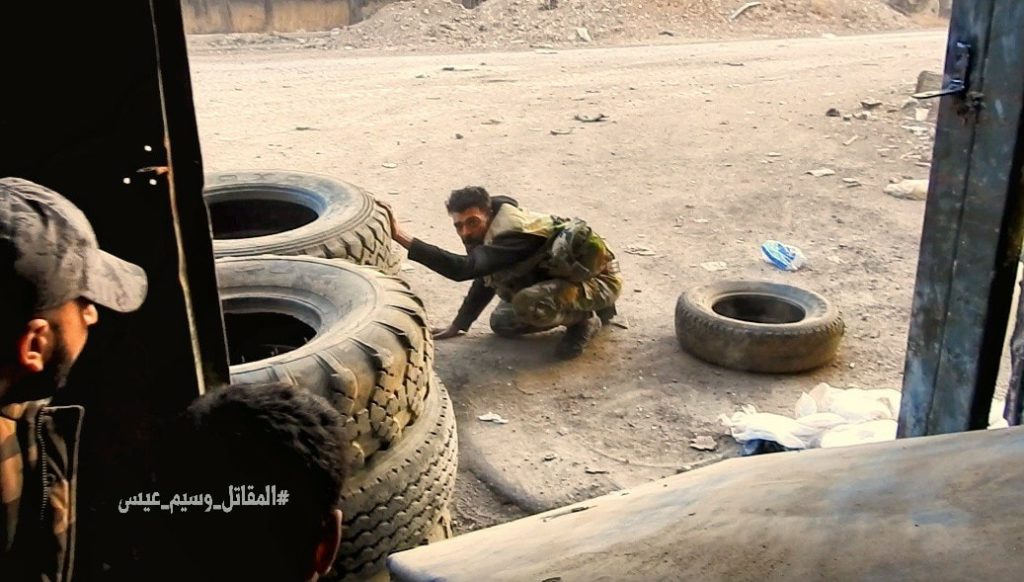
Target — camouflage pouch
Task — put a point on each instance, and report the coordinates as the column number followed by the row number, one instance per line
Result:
column 576, row 253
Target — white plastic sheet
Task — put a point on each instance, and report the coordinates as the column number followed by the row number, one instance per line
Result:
column 829, row 417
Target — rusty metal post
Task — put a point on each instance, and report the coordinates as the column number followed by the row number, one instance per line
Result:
column 972, row 229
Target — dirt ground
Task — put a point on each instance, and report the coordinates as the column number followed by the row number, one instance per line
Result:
column 704, row 156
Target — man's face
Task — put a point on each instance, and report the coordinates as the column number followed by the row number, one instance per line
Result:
column 71, row 323
column 471, row 225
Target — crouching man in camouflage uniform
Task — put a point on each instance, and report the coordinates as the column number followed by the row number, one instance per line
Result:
column 547, row 271
column 52, row 273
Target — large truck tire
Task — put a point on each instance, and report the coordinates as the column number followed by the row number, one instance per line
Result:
column 758, row 326
column 401, row 497
column 289, row 213
column 348, row 333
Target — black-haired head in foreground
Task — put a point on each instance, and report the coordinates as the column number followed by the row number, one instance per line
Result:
column 261, row 436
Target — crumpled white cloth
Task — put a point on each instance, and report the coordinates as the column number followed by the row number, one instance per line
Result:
column 829, row 417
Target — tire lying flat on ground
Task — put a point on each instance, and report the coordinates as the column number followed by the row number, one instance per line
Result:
column 287, row 213
column 347, row 333
column 758, row 326
column 403, row 493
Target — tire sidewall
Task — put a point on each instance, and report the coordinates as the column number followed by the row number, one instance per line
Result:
column 340, row 207
column 758, row 347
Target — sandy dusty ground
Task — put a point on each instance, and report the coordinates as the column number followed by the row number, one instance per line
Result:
column 703, row 157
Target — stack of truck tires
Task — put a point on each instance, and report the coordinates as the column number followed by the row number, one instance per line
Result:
column 310, row 294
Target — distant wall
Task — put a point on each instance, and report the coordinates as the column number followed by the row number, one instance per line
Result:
column 212, row 16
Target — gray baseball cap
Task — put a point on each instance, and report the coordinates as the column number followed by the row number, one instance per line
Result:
column 56, row 254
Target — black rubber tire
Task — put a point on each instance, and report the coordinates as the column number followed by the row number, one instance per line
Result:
column 800, row 344
column 402, row 495
column 372, row 354
column 347, row 225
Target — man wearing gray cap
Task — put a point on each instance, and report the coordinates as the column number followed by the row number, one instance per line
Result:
column 52, row 276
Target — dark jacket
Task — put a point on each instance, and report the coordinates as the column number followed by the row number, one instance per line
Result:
column 503, row 252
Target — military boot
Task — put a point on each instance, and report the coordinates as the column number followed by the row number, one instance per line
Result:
column 576, row 337
column 607, row 314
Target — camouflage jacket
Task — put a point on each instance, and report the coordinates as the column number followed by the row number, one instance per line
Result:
column 38, row 467
column 573, row 250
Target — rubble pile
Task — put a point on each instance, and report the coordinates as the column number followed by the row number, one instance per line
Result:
column 444, row 25
column 508, row 23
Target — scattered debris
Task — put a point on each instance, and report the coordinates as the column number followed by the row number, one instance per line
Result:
column 620, row 325
column 640, row 251
column 305, row 128
column 590, row 118
column 870, row 104
column 389, row 165
column 851, row 140
column 735, row 64
column 847, row 117
column 917, row 130
column 703, row 443
column 908, row 190
column 701, row 220
column 550, row 457
column 921, row 114
column 561, row 131
column 569, row 511
column 928, row 81
column 594, row 471
column 492, row 417
column 742, row 9
column 833, row 112
column 851, row 182
column 862, row 115
column 458, row 136
column 773, row 155
column 714, row 266
column 492, row 122
column 583, row 34
column 828, row 417
column 549, row 4
column 781, row 256
column 447, row 68
column 821, row 172
column 667, row 33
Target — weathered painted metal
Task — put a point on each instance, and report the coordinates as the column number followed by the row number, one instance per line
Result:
column 945, row 507
column 972, row 229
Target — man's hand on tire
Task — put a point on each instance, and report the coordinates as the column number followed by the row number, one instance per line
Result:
column 450, row 332
column 397, row 233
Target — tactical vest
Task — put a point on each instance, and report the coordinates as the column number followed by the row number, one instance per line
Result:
column 572, row 250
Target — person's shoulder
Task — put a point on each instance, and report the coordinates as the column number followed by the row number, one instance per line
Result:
column 497, row 202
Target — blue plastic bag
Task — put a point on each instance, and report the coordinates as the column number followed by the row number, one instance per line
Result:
column 785, row 257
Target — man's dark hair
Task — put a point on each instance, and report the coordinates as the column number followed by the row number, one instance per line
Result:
column 17, row 302
column 258, row 435
column 469, row 197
